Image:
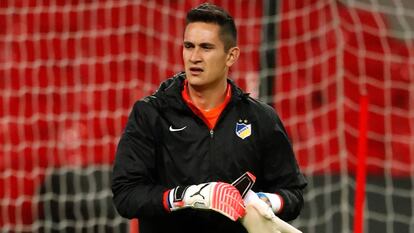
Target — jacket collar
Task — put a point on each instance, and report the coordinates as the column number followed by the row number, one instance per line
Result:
column 172, row 87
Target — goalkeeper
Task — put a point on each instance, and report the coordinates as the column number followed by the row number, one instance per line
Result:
column 184, row 145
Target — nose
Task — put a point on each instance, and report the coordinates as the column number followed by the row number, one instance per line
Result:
column 195, row 56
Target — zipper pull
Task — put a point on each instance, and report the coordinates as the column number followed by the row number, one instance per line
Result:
column 211, row 133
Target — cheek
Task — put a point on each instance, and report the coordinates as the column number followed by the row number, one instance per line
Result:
column 184, row 54
column 218, row 61
column 220, row 65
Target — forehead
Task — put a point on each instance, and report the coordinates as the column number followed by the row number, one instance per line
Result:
column 200, row 32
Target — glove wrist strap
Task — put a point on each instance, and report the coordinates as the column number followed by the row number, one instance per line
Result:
column 166, row 201
column 176, row 197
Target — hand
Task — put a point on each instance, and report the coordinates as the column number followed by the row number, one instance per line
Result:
column 273, row 200
column 259, row 204
column 255, row 222
column 260, row 217
column 218, row 196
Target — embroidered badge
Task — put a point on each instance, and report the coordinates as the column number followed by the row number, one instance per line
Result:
column 243, row 130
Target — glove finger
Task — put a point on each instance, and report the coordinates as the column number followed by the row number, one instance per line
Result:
column 228, row 201
column 231, row 213
column 233, row 208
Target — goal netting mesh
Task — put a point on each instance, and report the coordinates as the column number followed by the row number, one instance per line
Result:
column 71, row 70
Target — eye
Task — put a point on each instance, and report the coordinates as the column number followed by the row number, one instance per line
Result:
column 207, row 47
column 188, row 45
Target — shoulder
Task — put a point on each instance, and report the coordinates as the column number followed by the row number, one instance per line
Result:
column 267, row 119
column 141, row 110
column 169, row 87
column 263, row 110
column 146, row 100
column 147, row 107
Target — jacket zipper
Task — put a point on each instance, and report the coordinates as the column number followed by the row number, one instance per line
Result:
column 212, row 165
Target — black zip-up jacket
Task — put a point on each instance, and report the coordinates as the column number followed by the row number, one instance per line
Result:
column 165, row 144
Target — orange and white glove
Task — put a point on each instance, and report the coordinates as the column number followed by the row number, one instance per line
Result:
column 218, row 196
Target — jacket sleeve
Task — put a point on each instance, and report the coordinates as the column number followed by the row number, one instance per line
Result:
column 281, row 172
column 134, row 183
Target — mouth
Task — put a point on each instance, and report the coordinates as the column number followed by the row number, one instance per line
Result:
column 196, row 71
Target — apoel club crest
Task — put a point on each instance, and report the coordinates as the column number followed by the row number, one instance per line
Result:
column 243, row 130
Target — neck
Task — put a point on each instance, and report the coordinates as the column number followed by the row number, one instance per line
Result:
column 208, row 98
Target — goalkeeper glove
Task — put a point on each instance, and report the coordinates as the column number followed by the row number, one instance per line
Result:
column 218, row 196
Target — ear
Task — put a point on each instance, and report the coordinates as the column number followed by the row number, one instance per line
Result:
column 232, row 56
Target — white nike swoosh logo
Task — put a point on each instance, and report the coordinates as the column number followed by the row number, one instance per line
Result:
column 174, row 130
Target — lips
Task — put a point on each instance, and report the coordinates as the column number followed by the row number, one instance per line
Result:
column 196, row 70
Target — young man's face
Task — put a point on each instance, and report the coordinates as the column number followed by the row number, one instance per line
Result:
column 205, row 60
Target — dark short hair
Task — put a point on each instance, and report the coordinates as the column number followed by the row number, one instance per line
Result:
column 210, row 13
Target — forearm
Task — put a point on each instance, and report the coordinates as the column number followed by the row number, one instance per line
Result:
column 134, row 201
column 282, row 175
column 292, row 203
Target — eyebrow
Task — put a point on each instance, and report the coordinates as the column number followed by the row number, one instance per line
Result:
column 204, row 44
column 209, row 45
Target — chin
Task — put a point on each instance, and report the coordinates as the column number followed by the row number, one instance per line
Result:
column 195, row 83
column 194, row 80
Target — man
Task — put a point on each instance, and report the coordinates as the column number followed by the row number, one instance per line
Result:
column 185, row 144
